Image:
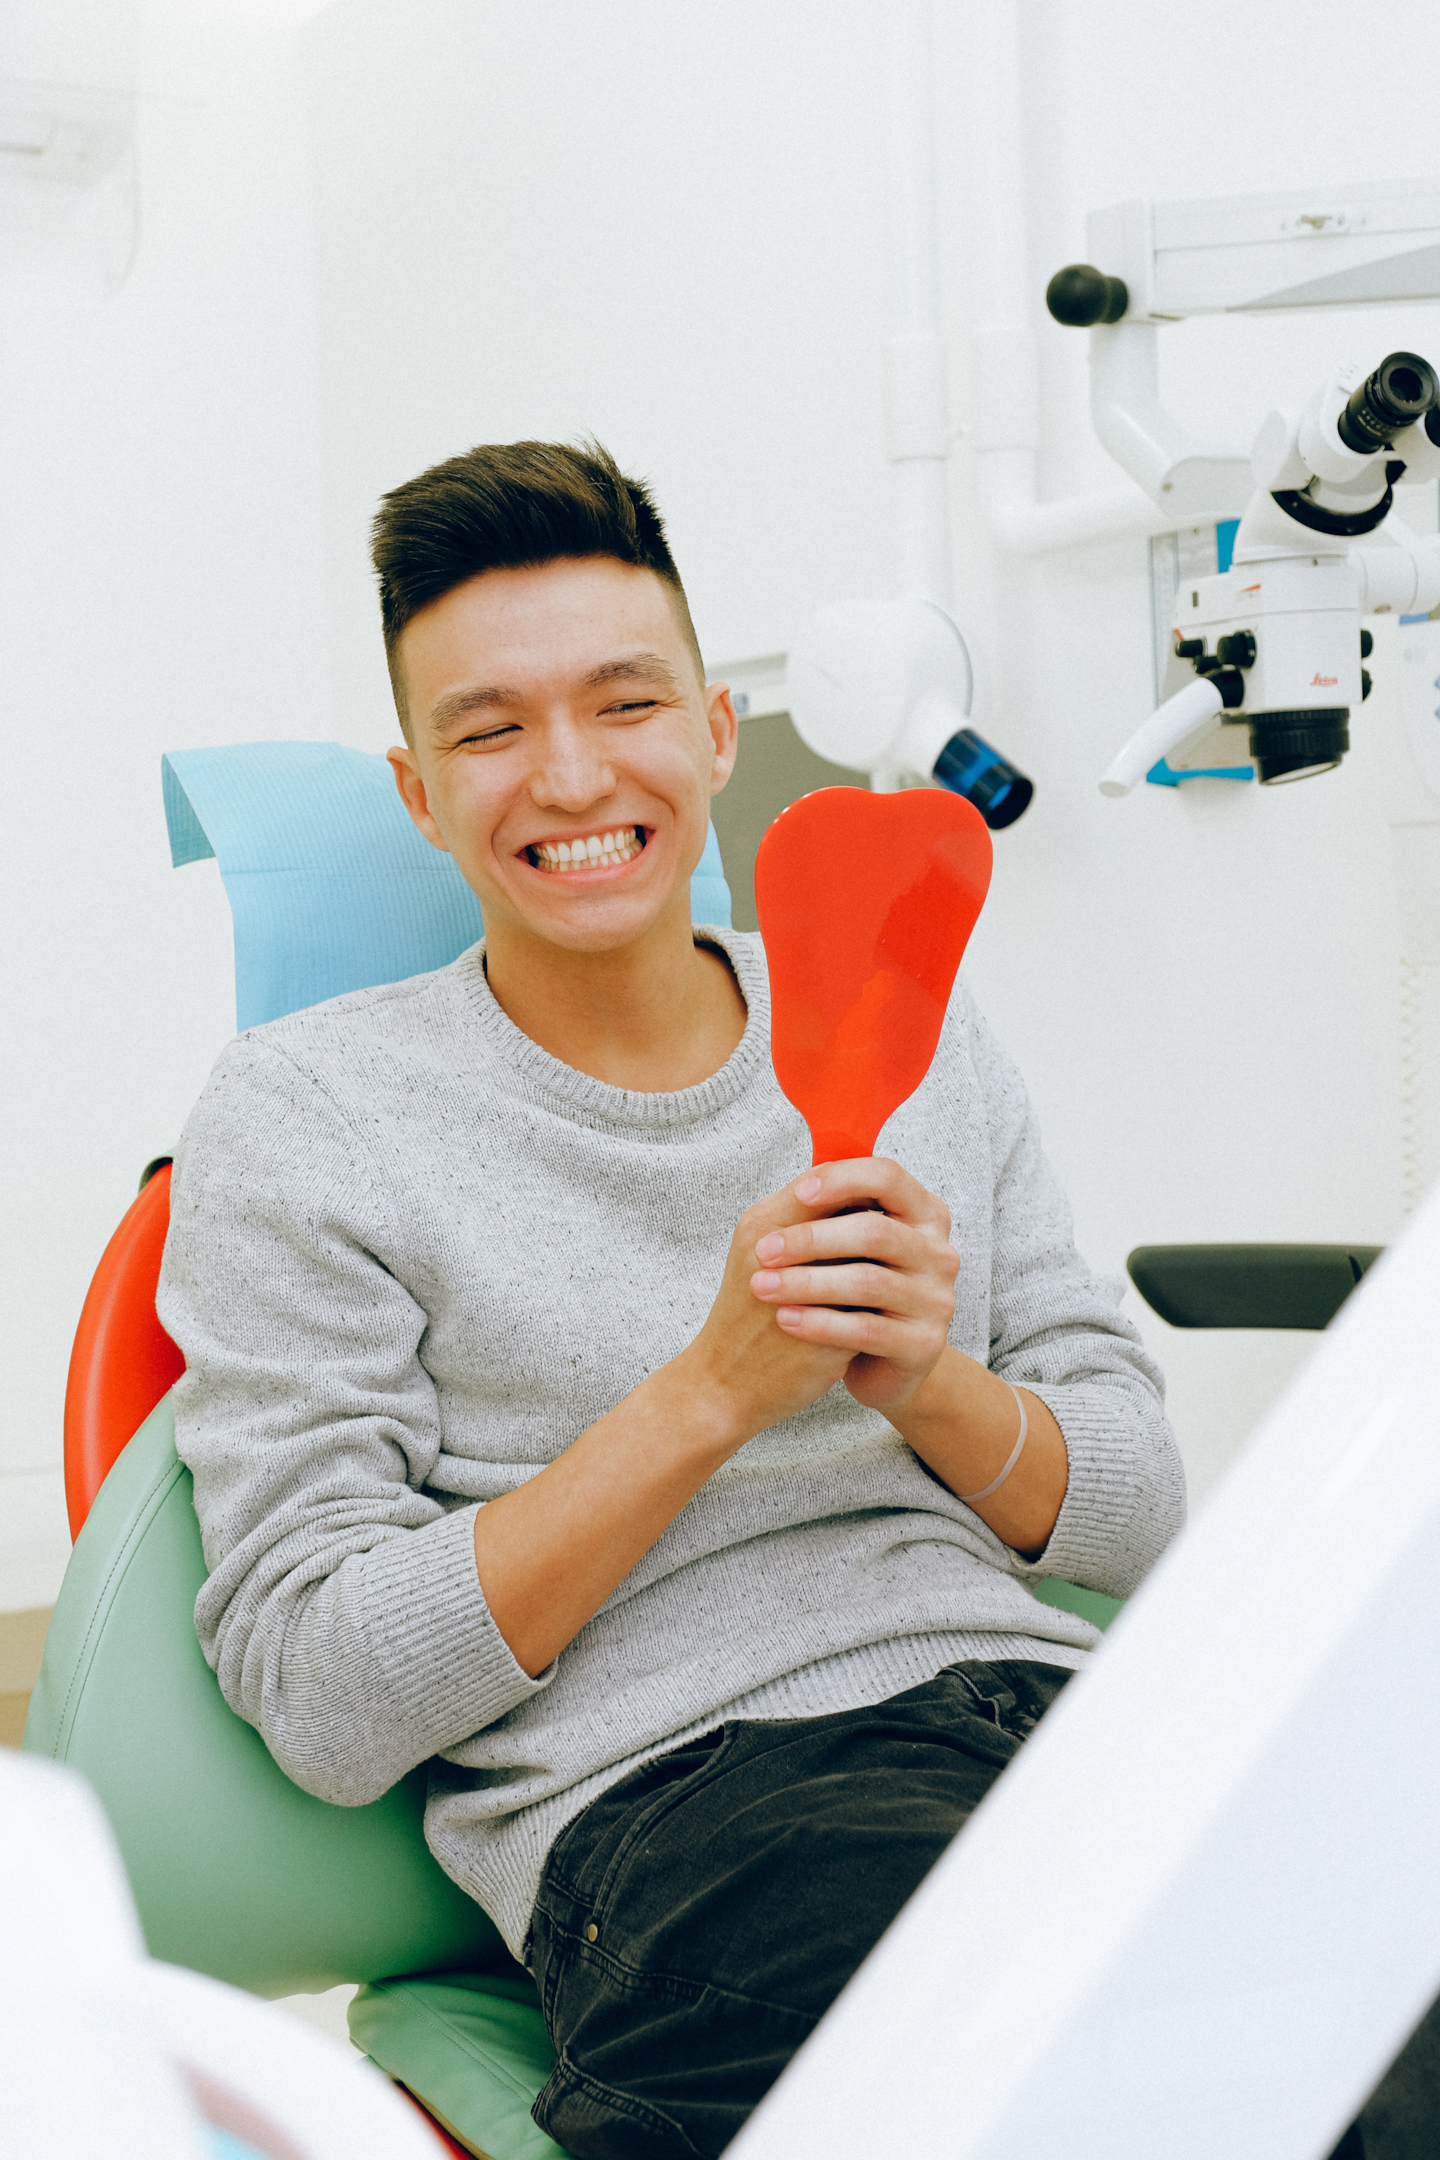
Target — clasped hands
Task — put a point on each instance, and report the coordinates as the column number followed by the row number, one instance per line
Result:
column 846, row 1273
column 849, row 1274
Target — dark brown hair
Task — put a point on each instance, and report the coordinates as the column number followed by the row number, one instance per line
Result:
column 511, row 506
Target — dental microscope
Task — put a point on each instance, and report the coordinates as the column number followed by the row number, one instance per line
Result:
column 1267, row 658
column 1266, row 665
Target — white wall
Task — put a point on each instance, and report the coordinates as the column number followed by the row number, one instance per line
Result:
column 162, row 584
column 665, row 224
column 659, row 224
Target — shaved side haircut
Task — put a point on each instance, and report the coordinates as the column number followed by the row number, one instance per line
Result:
column 511, row 506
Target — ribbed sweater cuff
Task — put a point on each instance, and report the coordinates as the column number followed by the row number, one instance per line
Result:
column 1087, row 1543
column 439, row 1656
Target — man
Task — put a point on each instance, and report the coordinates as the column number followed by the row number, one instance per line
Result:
column 551, row 1420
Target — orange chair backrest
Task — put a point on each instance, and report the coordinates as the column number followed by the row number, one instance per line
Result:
column 123, row 1360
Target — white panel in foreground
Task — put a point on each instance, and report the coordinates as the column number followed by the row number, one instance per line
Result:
column 1201, row 1913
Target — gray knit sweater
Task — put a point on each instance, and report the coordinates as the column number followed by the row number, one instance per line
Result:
column 412, row 1256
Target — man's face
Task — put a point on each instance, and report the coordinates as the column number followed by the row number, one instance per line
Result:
column 564, row 750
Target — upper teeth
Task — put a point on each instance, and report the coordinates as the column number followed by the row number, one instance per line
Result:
column 609, row 847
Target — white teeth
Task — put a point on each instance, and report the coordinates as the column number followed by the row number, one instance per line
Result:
column 611, row 848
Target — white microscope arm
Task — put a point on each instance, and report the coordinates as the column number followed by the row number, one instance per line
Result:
column 1184, row 477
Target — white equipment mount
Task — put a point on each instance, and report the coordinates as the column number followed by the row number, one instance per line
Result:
column 1275, row 641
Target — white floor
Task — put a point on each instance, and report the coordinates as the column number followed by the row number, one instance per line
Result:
column 325, row 2012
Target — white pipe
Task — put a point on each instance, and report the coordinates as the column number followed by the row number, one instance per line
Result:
column 1007, row 398
column 915, row 356
column 1025, row 527
column 1168, row 725
column 1006, row 390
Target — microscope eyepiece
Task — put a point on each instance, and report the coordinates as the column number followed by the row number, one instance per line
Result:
column 1401, row 391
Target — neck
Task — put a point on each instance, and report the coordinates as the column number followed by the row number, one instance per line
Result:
column 661, row 1014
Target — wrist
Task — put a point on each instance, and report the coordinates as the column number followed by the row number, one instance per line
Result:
column 704, row 1415
column 934, row 1402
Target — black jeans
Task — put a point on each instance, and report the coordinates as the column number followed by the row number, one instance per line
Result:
column 1401, row 2119
column 696, row 1922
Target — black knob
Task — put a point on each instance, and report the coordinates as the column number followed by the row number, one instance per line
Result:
column 1189, row 648
column 1238, row 649
column 1231, row 685
column 1080, row 295
column 1365, row 684
column 1209, row 663
column 1367, row 644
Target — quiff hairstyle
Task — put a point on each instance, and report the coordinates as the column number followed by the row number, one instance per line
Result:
column 511, row 506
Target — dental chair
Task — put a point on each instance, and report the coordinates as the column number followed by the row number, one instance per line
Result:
column 235, row 1871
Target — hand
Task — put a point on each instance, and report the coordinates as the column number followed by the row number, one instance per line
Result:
column 750, row 1368
column 877, row 1286
column 549, row 1553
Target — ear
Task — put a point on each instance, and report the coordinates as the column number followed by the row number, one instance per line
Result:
column 412, row 793
column 724, row 732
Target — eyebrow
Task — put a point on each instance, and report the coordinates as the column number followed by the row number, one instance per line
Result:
column 628, row 667
column 633, row 667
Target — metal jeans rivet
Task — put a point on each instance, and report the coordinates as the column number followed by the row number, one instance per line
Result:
column 592, row 1933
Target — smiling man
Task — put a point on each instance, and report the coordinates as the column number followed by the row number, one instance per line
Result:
column 553, row 1422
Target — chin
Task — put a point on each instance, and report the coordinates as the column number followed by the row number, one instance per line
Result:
column 604, row 926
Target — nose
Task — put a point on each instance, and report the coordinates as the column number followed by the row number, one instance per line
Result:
column 572, row 771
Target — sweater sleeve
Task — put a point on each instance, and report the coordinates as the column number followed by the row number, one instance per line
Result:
column 343, row 1614
column 1056, row 1329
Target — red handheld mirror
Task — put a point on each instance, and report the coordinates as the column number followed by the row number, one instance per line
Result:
column 866, row 904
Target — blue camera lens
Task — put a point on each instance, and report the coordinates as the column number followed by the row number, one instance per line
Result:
column 998, row 789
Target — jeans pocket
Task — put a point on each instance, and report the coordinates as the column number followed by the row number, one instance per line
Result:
column 592, row 1852
column 1012, row 1694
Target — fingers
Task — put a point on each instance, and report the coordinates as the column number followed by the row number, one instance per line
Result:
column 920, row 1295
column 869, row 1183
column 777, row 1211
column 878, row 1261
column 860, row 1334
column 833, row 1186
column 868, row 1235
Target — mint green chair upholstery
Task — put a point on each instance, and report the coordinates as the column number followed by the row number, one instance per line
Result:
column 237, row 1872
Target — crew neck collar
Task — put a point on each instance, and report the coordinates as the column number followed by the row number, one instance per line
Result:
column 628, row 1107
